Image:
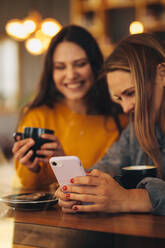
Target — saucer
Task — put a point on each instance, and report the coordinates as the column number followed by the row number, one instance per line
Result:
column 30, row 201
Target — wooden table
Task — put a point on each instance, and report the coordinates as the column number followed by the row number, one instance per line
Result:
column 53, row 229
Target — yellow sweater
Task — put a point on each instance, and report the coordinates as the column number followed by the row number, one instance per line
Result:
column 86, row 136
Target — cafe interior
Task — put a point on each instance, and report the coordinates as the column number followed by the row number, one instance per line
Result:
column 26, row 28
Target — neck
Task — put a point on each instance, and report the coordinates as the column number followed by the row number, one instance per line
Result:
column 78, row 106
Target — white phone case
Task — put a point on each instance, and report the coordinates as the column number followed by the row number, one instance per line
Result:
column 65, row 168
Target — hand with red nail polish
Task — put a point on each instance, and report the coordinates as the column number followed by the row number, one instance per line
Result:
column 75, row 208
column 67, row 195
column 64, row 188
column 72, row 180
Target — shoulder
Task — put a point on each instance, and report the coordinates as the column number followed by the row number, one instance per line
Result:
column 35, row 116
column 38, row 111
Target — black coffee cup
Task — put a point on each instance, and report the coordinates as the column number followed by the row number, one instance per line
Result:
column 132, row 175
column 34, row 133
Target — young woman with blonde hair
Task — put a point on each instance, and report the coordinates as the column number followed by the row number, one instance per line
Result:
column 136, row 80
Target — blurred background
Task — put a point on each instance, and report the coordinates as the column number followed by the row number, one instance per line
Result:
column 26, row 27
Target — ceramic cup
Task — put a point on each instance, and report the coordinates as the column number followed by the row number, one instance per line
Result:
column 132, row 175
column 34, row 133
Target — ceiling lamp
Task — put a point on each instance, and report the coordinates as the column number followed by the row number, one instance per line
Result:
column 50, row 27
column 16, row 30
column 136, row 27
column 35, row 31
column 34, row 46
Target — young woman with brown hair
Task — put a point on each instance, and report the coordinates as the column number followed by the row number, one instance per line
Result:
column 72, row 102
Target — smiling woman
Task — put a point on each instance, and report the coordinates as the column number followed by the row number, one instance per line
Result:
column 72, row 72
column 73, row 102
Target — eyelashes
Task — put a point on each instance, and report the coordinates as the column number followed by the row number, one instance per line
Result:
column 119, row 99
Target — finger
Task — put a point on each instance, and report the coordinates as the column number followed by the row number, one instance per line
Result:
column 46, row 153
column 92, row 190
column 86, row 208
column 25, row 159
column 35, row 167
column 68, row 211
column 86, row 180
column 58, row 191
column 21, row 143
column 51, row 153
column 66, row 204
column 81, row 197
column 49, row 136
column 17, row 138
column 97, row 173
column 59, row 194
column 22, row 150
column 51, row 145
column 43, row 160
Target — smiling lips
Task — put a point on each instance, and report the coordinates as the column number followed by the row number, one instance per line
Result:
column 74, row 85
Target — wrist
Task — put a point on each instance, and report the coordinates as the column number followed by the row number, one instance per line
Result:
column 138, row 200
column 36, row 169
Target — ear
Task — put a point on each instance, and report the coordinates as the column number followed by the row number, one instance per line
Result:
column 160, row 76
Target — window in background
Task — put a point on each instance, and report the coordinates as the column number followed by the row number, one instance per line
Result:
column 9, row 74
column 118, row 21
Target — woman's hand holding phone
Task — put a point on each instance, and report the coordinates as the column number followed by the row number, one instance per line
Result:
column 97, row 187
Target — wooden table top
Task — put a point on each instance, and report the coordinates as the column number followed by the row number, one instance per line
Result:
column 144, row 225
column 38, row 228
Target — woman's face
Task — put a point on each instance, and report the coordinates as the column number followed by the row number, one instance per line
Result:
column 122, row 89
column 72, row 72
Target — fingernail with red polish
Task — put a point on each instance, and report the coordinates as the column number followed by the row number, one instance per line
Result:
column 67, row 195
column 64, row 187
column 72, row 180
column 75, row 208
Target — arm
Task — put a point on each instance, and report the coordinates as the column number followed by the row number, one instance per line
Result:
column 25, row 169
column 149, row 197
column 156, row 191
column 117, row 155
column 105, row 194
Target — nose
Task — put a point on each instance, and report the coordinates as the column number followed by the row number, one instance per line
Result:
column 127, row 105
column 70, row 72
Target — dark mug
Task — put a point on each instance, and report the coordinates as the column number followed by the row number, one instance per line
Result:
column 132, row 175
column 35, row 134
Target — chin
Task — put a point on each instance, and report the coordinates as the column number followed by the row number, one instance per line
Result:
column 75, row 97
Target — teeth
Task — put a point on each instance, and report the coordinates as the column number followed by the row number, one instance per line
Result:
column 74, row 86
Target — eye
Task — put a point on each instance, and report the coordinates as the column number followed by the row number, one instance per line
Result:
column 131, row 93
column 116, row 99
column 59, row 67
column 81, row 63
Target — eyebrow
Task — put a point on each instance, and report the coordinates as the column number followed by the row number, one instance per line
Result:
column 76, row 60
column 125, row 91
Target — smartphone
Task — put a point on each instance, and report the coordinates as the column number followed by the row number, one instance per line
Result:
column 65, row 168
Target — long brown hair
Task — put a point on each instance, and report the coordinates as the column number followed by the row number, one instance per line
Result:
column 98, row 100
column 98, row 94
column 140, row 54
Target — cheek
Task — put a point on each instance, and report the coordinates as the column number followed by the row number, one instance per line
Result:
column 133, row 100
column 87, row 72
column 89, row 76
column 56, row 77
